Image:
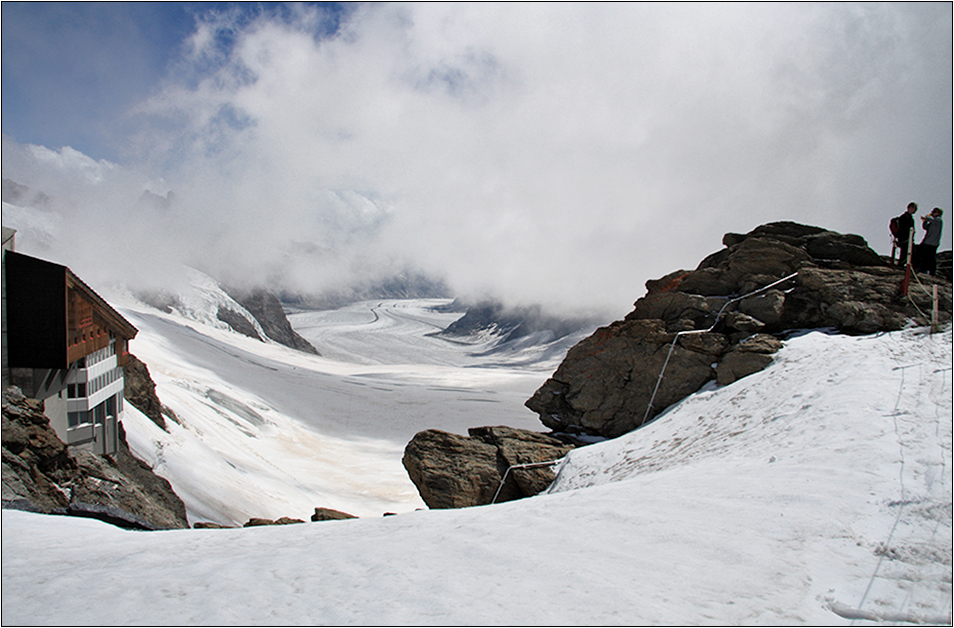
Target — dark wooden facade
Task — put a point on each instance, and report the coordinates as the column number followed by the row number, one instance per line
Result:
column 54, row 319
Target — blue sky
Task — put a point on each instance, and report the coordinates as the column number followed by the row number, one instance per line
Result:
column 73, row 70
column 560, row 153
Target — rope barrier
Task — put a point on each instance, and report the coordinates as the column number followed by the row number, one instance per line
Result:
column 887, row 616
column 672, row 346
column 933, row 294
column 901, row 502
column 899, row 615
column 563, row 460
column 528, row 465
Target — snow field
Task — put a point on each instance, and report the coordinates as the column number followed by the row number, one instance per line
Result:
column 266, row 431
column 821, row 483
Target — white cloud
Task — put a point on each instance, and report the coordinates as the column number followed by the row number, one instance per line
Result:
column 553, row 153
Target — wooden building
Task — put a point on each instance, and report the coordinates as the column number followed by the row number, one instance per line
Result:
column 65, row 345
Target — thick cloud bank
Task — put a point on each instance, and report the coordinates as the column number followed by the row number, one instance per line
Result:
column 550, row 153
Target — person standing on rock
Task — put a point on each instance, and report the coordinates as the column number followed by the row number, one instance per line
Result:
column 905, row 226
column 932, row 238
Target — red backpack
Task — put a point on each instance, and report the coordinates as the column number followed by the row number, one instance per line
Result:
column 895, row 227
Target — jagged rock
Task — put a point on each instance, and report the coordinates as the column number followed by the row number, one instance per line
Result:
column 327, row 514
column 41, row 470
column 111, row 515
column 453, row 471
column 605, row 382
column 257, row 521
column 944, row 265
column 673, row 306
column 819, row 243
column 140, row 390
column 268, row 311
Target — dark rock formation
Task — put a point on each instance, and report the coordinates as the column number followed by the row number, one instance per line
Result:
column 605, row 383
column 140, row 390
column 492, row 317
column 268, row 311
column 749, row 356
column 41, row 474
column 452, row 471
column 237, row 322
column 327, row 514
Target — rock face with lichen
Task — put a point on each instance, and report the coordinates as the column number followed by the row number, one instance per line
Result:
column 605, row 383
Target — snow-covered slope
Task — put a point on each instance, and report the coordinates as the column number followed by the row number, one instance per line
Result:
column 266, row 431
column 817, row 489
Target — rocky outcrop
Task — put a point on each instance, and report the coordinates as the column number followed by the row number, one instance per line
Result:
column 140, row 390
column 237, row 322
column 328, row 514
column 41, row 474
column 453, row 471
column 268, row 311
column 605, row 383
column 493, row 317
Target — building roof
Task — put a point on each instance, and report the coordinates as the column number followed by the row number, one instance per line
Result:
column 114, row 319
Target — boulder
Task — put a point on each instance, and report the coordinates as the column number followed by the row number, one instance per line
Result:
column 327, row 514
column 862, row 300
column 742, row 322
column 523, row 447
column 604, row 385
column 209, row 525
column 453, row 471
column 766, row 307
